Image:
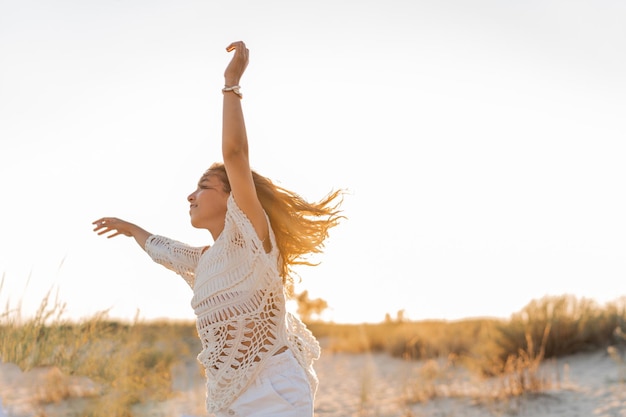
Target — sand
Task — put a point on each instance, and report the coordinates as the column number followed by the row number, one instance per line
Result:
column 584, row 385
column 360, row 385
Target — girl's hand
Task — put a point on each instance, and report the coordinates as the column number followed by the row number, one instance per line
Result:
column 237, row 65
column 112, row 224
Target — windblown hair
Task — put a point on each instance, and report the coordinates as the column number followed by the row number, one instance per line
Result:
column 300, row 227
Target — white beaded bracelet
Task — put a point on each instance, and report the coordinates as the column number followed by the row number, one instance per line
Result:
column 234, row 89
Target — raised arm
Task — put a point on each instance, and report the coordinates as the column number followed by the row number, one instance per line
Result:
column 235, row 145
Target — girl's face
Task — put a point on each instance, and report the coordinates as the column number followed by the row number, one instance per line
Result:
column 207, row 205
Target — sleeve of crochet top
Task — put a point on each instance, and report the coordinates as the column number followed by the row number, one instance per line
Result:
column 174, row 255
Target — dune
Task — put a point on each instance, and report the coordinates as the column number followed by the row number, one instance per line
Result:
column 582, row 385
column 363, row 385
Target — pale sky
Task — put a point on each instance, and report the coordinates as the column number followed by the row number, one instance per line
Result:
column 482, row 144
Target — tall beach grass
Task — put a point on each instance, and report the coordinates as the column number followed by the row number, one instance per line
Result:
column 505, row 354
column 132, row 362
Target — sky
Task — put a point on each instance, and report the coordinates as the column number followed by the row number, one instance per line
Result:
column 481, row 145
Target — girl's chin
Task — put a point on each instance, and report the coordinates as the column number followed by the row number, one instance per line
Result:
column 198, row 225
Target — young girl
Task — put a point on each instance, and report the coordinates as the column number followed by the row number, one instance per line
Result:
column 258, row 357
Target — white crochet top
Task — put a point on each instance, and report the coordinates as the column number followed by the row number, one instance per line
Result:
column 239, row 301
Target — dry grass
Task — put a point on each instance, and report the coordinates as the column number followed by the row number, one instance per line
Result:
column 132, row 362
column 504, row 354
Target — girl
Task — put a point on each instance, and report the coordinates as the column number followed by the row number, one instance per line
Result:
column 258, row 358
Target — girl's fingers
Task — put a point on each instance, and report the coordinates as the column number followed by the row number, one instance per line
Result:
column 238, row 46
column 101, row 222
column 106, row 225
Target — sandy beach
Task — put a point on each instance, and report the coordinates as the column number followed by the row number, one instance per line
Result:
column 360, row 385
column 584, row 385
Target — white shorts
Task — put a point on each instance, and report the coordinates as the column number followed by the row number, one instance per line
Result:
column 281, row 390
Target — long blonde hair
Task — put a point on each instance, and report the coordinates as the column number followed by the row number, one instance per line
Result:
column 300, row 227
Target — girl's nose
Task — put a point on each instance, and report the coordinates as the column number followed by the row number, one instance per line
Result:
column 191, row 197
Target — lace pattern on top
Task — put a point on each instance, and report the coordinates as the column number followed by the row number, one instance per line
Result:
column 175, row 256
column 239, row 303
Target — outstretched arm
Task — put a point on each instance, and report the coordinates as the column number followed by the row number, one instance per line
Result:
column 235, row 146
column 121, row 227
column 174, row 255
